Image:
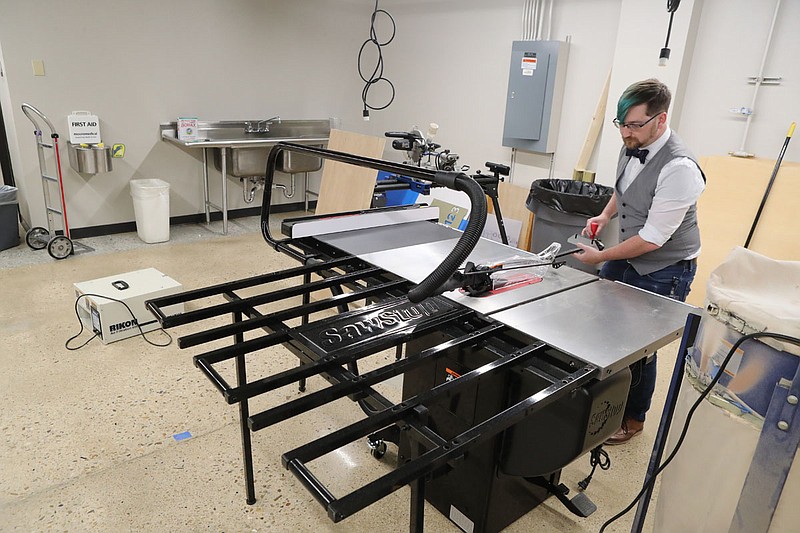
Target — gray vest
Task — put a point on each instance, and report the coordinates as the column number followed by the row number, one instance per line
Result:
column 635, row 203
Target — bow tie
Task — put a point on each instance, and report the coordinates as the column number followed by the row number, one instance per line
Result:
column 636, row 152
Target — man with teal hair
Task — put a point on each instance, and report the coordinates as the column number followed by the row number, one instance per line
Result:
column 657, row 187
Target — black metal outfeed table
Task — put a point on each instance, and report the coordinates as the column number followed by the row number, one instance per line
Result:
column 486, row 381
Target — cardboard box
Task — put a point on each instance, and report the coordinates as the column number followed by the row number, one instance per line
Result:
column 187, row 129
column 101, row 310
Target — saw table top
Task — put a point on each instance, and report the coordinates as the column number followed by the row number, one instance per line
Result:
column 604, row 323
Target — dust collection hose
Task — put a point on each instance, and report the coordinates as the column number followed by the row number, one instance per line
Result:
column 453, row 180
column 472, row 233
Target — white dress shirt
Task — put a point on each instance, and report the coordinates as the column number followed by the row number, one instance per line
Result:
column 679, row 185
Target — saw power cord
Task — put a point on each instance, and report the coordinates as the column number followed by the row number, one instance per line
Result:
column 650, row 482
column 377, row 72
column 597, row 457
column 133, row 316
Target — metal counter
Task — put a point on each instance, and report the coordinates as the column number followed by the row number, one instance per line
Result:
column 224, row 135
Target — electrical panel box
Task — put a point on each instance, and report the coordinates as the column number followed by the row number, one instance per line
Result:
column 113, row 307
column 535, row 91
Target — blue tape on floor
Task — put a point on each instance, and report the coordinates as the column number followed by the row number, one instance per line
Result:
column 182, row 436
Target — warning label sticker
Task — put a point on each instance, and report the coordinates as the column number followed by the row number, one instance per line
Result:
column 529, row 62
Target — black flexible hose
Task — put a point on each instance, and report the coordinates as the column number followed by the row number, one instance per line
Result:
column 472, row 233
column 452, row 180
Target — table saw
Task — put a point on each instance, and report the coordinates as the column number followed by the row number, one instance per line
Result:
column 499, row 391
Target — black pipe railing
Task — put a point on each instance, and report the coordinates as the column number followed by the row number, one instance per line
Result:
column 453, row 180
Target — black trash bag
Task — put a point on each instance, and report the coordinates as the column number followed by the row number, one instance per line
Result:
column 569, row 196
column 9, row 226
column 8, row 195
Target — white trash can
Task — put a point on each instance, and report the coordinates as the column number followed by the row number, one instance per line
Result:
column 151, row 208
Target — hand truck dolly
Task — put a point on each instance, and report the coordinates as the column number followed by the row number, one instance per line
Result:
column 38, row 238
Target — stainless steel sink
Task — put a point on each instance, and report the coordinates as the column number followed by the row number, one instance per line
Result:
column 245, row 154
column 295, row 163
column 246, row 162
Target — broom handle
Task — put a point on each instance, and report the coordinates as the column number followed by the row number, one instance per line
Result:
column 769, row 186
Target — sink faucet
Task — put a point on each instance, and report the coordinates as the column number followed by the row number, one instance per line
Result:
column 260, row 126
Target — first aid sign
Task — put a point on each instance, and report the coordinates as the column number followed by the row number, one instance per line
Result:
column 83, row 128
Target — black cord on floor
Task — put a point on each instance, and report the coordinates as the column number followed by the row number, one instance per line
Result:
column 597, row 457
column 133, row 316
column 377, row 73
column 708, row 389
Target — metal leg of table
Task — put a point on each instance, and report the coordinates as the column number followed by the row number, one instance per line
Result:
column 244, row 414
column 306, row 280
column 416, row 521
column 224, row 191
column 207, row 201
column 205, row 185
column 305, row 190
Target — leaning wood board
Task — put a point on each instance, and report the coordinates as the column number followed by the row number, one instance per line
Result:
column 726, row 210
column 346, row 187
column 594, row 130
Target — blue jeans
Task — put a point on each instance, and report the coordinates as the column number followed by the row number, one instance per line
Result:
column 673, row 281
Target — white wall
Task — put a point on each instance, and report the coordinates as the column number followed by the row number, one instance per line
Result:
column 137, row 64
column 451, row 61
column 729, row 46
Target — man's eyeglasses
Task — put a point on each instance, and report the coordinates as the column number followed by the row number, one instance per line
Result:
column 633, row 126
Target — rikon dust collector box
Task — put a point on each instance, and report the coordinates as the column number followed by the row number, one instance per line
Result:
column 113, row 307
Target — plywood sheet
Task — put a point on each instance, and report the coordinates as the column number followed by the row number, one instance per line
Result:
column 512, row 206
column 346, row 187
column 727, row 208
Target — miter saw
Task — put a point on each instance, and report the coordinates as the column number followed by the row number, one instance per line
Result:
column 420, row 149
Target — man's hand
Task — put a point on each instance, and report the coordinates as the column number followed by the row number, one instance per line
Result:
column 600, row 222
column 590, row 255
column 627, row 249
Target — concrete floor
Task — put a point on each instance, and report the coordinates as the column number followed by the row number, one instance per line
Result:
column 87, row 437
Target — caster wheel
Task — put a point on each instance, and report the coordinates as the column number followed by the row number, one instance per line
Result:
column 37, row 238
column 377, row 449
column 60, row 247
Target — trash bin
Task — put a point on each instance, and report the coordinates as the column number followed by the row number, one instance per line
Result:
column 151, row 208
column 561, row 208
column 9, row 225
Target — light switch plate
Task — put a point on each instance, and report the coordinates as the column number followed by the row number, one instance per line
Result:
column 38, row 67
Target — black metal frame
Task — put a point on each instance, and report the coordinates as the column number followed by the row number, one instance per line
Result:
column 376, row 288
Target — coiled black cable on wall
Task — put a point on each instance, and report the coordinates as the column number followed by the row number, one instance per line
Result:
column 377, row 72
